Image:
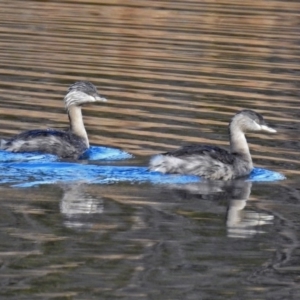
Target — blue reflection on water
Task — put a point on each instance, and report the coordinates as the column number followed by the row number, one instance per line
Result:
column 93, row 153
column 263, row 175
column 26, row 170
column 45, row 173
column 104, row 153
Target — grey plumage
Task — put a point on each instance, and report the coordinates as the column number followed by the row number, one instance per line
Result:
column 66, row 144
column 212, row 162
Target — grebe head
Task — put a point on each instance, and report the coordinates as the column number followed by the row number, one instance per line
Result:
column 248, row 120
column 80, row 93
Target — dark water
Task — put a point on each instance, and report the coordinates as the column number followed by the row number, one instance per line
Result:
column 174, row 72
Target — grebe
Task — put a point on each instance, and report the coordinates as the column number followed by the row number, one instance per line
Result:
column 65, row 144
column 211, row 162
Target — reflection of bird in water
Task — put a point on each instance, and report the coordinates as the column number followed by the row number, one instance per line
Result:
column 79, row 207
column 213, row 162
column 243, row 223
column 240, row 223
column 66, row 144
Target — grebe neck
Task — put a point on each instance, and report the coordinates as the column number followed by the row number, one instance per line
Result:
column 76, row 123
column 239, row 145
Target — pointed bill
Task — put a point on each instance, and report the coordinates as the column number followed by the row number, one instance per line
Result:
column 268, row 129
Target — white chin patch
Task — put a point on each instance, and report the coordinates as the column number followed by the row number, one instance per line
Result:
column 257, row 126
column 89, row 98
column 267, row 129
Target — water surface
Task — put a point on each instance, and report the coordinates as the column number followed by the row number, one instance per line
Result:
column 174, row 72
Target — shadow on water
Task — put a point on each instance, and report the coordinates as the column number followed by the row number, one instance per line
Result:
column 174, row 73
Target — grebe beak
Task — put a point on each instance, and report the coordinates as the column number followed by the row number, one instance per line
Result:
column 267, row 129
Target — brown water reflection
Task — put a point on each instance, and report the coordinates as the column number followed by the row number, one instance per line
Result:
column 174, row 73
column 142, row 241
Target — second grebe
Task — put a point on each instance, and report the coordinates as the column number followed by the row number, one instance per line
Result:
column 211, row 162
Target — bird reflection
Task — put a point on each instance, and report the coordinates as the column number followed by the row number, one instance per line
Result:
column 240, row 222
column 78, row 207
